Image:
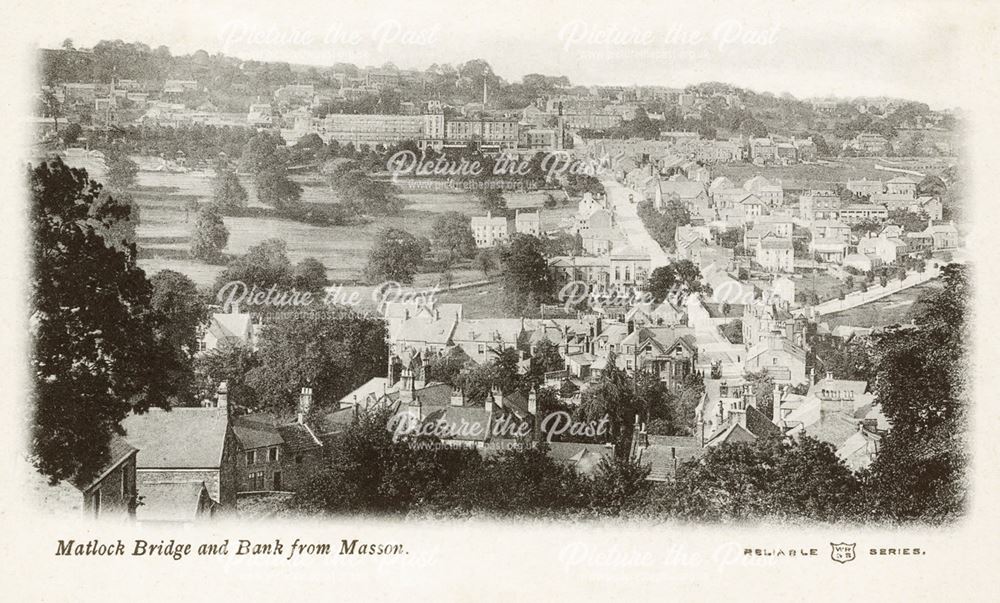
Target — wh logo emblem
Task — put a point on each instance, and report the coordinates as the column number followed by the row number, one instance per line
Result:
column 842, row 552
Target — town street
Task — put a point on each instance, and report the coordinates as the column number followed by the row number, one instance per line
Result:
column 631, row 226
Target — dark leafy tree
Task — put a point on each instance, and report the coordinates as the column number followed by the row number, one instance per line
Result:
column 210, row 236
column 309, row 275
column 452, row 233
column 331, row 349
column 395, row 256
column 91, row 322
column 526, row 279
column 228, row 193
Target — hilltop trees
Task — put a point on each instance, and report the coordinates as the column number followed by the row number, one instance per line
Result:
column 85, row 384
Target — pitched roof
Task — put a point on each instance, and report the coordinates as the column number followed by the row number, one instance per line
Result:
column 255, row 435
column 684, row 190
column 488, row 330
column 584, row 458
column 181, row 438
column 230, row 326
column 426, row 330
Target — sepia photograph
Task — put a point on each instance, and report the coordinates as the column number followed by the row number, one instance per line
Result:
column 613, row 270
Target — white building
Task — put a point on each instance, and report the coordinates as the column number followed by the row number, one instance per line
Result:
column 490, row 231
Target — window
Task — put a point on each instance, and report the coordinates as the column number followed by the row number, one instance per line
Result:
column 251, row 457
column 277, row 480
column 298, row 459
column 272, row 454
column 774, row 361
column 255, row 480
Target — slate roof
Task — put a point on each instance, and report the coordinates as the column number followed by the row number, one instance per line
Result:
column 426, row 330
column 255, row 435
column 181, row 438
column 664, row 460
column 489, row 330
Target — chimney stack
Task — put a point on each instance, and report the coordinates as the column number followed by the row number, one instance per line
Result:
column 457, row 397
column 533, row 401
column 406, row 385
column 776, row 407
column 222, row 395
column 305, row 404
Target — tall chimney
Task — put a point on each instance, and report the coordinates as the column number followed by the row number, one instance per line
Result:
column 776, row 407
column 406, row 385
column 457, row 397
column 222, row 395
column 305, row 404
column 533, row 401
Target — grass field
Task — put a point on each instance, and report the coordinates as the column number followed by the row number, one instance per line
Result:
column 895, row 309
column 167, row 221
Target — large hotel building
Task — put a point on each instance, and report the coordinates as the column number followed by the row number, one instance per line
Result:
column 436, row 131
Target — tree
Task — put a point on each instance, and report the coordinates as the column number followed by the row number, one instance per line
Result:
column 229, row 362
column 517, row 481
column 447, row 367
column 122, row 172
column 228, row 193
column 371, row 473
column 309, row 275
column 733, row 330
column 931, row 186
column 264, row 265
column 333, row 350
column 259, row 152
column 395, row 256
column 762, row 385
column 72, row 132
column 210, row 236
column 95, row 355
column 492, row 200
column 618, row 483
column 661, row 282
column 614, row 397
column 485, row 262
column 452, row 233
column 176, row 298
column 922, row 386
column 274, row 188
column 526, row 279
column 688, row 275
column 765, row 479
